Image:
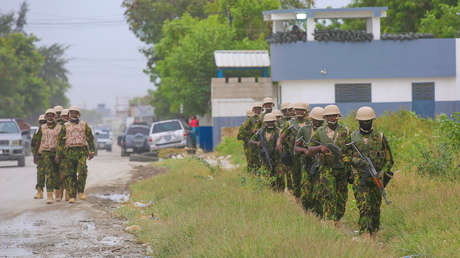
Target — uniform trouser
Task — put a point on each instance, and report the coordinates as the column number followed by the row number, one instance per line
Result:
column 369, row 199
column 309, row 196
column 40, row 176
column 253, row 158
column 48, row 171
column 333, row 187
column 76, row 170
column 296, row 176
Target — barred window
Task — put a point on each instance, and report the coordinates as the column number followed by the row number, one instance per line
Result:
column 356, row 92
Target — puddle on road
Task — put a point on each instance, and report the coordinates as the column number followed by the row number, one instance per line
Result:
column 63, row 233
column 114, row 197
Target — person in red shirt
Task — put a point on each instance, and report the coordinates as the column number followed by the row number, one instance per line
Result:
column 194, row 125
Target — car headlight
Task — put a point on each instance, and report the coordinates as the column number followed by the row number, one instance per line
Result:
column 17, row 142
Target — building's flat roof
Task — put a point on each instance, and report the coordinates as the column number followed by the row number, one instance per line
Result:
column 359, row 12
column 241, row 58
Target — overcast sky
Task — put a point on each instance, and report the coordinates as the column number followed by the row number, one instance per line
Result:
column 105, row 61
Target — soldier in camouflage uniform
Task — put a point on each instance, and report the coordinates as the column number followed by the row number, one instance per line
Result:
column 310, row 178
column 245, row 134
column 40, row 177
column 58, row 110
column 374, row 145
column 286, row 144
column 267, row 105
column 46, row 142
column 271, row 168
column 75, row 145
column 333, row 169
column 286, row 117
column 279, row 118
column 64, row 119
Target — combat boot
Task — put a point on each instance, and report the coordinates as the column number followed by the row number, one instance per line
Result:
column 72, row 200
column 81, row 196
column 50, row 197
column 39, row 194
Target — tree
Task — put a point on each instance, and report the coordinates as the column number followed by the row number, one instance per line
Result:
column 443, row 24
column 402, row 15
column 146, row 17
column 54, row 73
column 187, row 69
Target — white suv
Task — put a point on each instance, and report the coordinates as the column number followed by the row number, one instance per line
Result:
column 168, row 134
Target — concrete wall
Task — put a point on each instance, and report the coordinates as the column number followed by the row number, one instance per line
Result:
column 387, row 94
column 232, row 97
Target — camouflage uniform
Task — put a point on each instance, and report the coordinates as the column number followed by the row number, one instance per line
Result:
column 275, row 175
column 332, row 189
column 254, row 162
column 244, row 134
column 74, row 160
column 368, row 196
column 309, row 181
column 48, row 169
column 40, row 176
column 288, row 156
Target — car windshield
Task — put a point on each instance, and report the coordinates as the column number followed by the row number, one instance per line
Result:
column 138, row 129
column 8, row 127
column 102, row 135
column 166, row 126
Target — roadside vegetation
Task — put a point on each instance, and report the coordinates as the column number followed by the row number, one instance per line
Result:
column 203, row 211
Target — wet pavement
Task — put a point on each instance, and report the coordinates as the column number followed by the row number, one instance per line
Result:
column 30, row 227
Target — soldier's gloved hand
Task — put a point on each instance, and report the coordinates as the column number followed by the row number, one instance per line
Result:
column 358, row 162
column 324, row 149
column 91, row 156
column 57, row 159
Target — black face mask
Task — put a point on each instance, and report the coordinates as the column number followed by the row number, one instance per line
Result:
column 365, row 126
column 270, row 125
column 332, row 125
column 317, row 123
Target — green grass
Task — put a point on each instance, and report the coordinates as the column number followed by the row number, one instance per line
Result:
column 223, row 214
column 227, row 213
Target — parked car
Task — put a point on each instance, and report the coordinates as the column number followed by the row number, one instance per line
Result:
column 104, row 140
column 168, row 134
column 135, row 139
column 11, row 142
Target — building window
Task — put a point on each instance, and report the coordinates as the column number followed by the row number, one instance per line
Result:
column 356, row 92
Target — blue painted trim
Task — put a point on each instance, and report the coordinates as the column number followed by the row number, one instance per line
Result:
column 266, row 72
column 220, row 73
column 242, row 68
column 376, row 10
column 423, row 58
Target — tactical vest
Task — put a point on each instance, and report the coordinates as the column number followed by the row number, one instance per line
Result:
column 49, row 138
column 337, row 137
column 75, row 134
column 371, row 146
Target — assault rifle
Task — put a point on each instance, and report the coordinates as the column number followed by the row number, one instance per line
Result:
column 336, row 151
column 265, row 151
column 373, row 172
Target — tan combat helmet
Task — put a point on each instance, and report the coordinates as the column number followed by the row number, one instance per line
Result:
column 268, row 101
column 299, row 105
column 250, row 113
column 74, row 108
column 285, row 105
column 317, row 113
column 332, row 110
column 365, row 113
column 58, row 109
column 257, row 105
column 65, row 112
column 277, row 113
column 41, row 118
column 50, row 110
column 270, row 117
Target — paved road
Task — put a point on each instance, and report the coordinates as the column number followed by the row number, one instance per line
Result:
column 18, row 183
column 31, row 227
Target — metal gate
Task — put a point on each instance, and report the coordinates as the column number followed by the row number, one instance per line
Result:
column 423, row 99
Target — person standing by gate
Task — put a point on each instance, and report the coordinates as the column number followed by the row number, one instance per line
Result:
column 194, row 125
